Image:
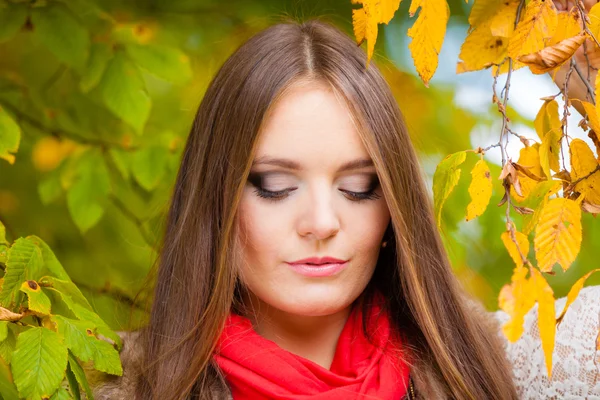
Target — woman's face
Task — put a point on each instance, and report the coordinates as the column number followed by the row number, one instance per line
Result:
column 312, row 192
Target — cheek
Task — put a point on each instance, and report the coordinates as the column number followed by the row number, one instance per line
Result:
column 368, row 228
column 261, row 229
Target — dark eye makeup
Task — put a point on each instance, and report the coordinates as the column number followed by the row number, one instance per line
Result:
column 257, row 180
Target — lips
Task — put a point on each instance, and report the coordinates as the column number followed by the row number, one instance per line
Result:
column 318, row 267
column 318, row 261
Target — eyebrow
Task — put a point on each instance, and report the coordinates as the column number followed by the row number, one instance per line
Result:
column 289, row 164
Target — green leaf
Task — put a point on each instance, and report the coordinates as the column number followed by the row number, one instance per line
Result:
column 38, row 301
column 73, row 385
column 78, row 304
column 81, row 340
column 124, row 92
column 3, row 330
column 87, row 196
column 168, row 63
column 10, row 136
column 61, row 394
column 121, row 160
column 24, row 261
column 49, row 189
column 8, row 390
column 79, row 375
column 3, row 234
column 7, row 346
column 100, row 55
column 148, row 166
column 445, row 178
column 56, row 28
column 3, row 244
column 12, row 18
column 39, row 362
column 51, row 263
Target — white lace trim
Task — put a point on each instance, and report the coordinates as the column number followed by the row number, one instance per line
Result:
column 576, row 364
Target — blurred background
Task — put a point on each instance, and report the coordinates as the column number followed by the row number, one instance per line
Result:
column 104, row 92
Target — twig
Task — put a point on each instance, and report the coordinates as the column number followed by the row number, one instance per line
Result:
column 566, row 111
column 592, row 172
column 590, row 89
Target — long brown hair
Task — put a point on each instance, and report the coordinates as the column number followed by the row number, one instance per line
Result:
column 196, row 280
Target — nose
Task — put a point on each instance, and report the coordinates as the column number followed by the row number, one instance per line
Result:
column 318, row 218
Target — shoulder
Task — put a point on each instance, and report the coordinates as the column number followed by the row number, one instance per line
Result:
column 576, row 363
column 105, row 386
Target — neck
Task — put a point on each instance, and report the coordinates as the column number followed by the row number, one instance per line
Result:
column 313, row 338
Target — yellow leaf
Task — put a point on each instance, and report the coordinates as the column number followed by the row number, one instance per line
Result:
column 365, row 27
column 365, row 20
column 575, row 289
column 502, row 22
column 512, row 247
column 568, row 26
column 480, row 50
column 387, row 10
column 480, row 190
column 516, row 299
column 547, row 118
column 529, row 157
column 549, row 152
column 582, row 163
column 539, row 24
column 427, row 35
column 552, row 57
column 482, row 11
column 558, row 234
column 592, row 115
column 594, row 25
column 546, row 315
column 537, row 199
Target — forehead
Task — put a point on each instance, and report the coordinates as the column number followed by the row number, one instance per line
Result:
column 311, row 125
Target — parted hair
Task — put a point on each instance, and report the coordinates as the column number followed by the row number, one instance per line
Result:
column 196, row 279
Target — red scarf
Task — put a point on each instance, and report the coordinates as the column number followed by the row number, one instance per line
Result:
column 257, row 368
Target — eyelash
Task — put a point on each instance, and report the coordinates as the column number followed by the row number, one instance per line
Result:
column 281, row 194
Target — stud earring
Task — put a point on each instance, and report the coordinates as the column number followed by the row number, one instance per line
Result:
column 384, row 243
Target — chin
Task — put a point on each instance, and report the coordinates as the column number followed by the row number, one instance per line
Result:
column 315, row 302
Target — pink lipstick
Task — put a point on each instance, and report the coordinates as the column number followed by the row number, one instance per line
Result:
column 318, row 267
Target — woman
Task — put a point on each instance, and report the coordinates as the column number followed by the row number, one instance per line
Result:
column 301, row 259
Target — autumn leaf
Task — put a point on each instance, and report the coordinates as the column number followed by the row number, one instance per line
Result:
column 516, row 299
column 537, row 199
column 547, row 118
column 568, row 26
column 539, row 24
column 480, row 190
column 592, row 116
column 554, row 56
column 445, row 178
column 573, row 292
column 428, row 35
column 594, row 25
column 558, row 234
column 481, row 50
column 529, row 157
column 511, row 246
column 583, row 163
column 365, row 20
column 546, row 315
column 503, row 22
